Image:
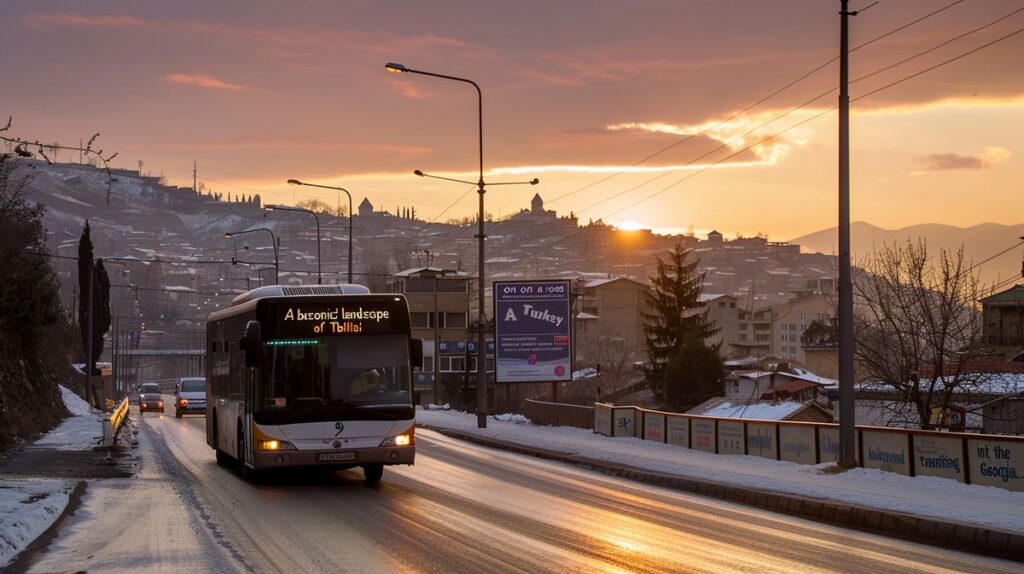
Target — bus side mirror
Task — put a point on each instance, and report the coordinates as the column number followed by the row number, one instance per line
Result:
column 416, row 353
column 252, row 343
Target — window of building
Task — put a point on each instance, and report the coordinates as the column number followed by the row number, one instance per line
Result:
column 420, row 320
column 419, row 285
column 454, row 321
column 452, row 286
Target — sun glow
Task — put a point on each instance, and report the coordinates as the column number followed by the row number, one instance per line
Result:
column 630, row 226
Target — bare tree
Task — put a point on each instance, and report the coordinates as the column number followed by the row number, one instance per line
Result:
column 917, row 321
column 609, row 347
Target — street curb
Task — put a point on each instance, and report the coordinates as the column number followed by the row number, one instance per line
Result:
column 24, row 559
column 974, row 539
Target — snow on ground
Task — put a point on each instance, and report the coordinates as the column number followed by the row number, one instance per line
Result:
column 513, row 418
column 931, row 497
column 26, row 510
column 81, row 431
column 75, row 404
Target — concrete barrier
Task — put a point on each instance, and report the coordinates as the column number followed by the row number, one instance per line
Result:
column 113, row 423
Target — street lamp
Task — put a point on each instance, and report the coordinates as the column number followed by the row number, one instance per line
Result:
column 273, row 241
column 297, row 182
column 481, row 352
column 319, row 276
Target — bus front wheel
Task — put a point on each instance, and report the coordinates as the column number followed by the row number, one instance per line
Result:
column 373, row 473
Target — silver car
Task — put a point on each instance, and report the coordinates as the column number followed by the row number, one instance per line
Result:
column 190, row 397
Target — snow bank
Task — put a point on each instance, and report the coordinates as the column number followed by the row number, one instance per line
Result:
column 75, row 404
column 27, row 509
column 513, row 418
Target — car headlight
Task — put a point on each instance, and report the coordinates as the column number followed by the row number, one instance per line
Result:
column 274, row 444
column 398, row 440
column 183, row 402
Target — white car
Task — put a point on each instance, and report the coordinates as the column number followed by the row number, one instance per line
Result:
column 190, row 396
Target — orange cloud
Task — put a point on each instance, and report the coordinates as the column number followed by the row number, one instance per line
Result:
column 203, row 81
column 988, row 157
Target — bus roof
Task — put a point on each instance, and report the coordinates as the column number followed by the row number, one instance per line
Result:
column 284, row 290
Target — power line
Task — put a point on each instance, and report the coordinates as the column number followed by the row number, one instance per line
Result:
column 754, row 105
column 771, row 137
column 769, row 121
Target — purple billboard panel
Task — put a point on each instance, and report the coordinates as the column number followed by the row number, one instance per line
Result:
column 532, row 331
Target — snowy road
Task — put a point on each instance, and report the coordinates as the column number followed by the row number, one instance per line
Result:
column 461, row 508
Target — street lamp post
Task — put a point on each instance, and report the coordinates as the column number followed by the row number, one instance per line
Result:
column 339, row 189
column 481, row 352
column 319, row 276
column 273, row 241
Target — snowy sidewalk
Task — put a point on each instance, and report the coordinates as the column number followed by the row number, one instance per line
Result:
column 29, row 506
column 983, row 511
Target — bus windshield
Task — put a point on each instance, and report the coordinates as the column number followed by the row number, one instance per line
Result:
column 342, row 371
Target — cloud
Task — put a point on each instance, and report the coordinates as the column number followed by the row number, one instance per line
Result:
column 988, row 157
column 314, row 39
column 621, row 62
column 750, row 130
column 69, row 20
column 203, row 81
column 410, row 90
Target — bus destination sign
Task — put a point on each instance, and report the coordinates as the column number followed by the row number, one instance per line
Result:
column 304, row 320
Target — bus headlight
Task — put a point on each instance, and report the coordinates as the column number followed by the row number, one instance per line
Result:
column 398, row 440
column 274, row 444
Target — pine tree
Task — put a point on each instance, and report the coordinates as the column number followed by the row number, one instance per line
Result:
column 676, row 331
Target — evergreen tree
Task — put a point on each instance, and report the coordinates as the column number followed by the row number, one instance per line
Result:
column 100, row 309
column 85, row 262
column 694, row 375
column 100, row 302
column 676, row 332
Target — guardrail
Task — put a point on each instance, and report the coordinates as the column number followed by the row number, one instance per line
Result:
column 558, row 414
column 112, row 423
column 989, row 460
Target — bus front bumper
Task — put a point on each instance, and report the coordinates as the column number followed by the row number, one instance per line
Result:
column 334, row 458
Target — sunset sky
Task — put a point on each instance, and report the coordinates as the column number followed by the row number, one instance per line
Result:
column 574, row 92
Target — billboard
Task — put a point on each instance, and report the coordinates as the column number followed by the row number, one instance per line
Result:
column 532, row 331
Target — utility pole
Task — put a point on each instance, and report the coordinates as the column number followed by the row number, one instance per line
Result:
column 847, row 431
column 195, row 186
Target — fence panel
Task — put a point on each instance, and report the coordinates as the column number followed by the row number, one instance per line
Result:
column 654, row 426
column 761, row 440
column 996, row 462
column 559, row 414
column 886, row 450
column 678, row 430
column 939, row 455
column 797, row 443
column 624, row 420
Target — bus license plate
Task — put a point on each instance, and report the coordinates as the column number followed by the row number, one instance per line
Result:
column 336, row 457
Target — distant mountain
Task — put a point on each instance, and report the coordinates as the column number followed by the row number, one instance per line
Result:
column 980, row 242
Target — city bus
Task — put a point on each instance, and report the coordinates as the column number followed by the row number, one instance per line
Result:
column 312, row 376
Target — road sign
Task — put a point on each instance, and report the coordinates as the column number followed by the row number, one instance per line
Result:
column 532, row 331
